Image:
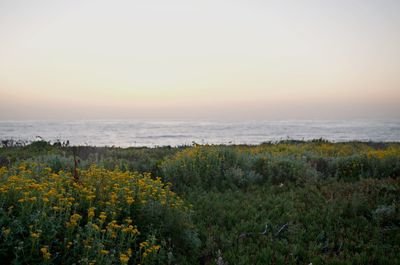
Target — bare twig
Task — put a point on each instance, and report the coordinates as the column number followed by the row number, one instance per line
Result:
column 76, row 161
column 263, row 233
column 283, row 227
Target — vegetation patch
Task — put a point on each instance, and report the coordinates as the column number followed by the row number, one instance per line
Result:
column 291, row 202
column 104, row 217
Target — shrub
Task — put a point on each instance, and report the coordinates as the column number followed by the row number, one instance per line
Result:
column 283, row 169
column 209, row 167
column 107, row 217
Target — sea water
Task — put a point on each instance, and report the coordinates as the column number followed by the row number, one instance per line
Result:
column 126, row 133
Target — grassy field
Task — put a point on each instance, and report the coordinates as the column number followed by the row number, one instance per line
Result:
column 291, row 202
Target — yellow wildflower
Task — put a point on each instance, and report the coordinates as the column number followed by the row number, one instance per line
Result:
column 91, row 212
column 45, row 252
column 73, row 220
column 35, row 234
column 113, row 197
column 90, row 197
column 124, row 258
column 104, row 252
column 143, row 244
column 103, row 216
column 130, row 200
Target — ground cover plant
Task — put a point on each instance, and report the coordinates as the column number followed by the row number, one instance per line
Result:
column 291, row 202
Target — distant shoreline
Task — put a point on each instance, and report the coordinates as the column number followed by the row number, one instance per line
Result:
column 11, row 143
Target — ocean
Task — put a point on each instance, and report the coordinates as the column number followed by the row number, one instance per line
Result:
column 125, row 133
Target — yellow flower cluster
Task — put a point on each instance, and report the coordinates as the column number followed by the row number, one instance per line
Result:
column 124, row 258
column 91, row 213
column 45, row 252
column 146, row 249
column 35, row 235
column 151, row 249
column 94, row 211
column 74, row 219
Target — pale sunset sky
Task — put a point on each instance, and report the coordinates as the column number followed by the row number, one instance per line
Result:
column 176, row 59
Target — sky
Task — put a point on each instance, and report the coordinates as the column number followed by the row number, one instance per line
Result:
column 207, row 59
